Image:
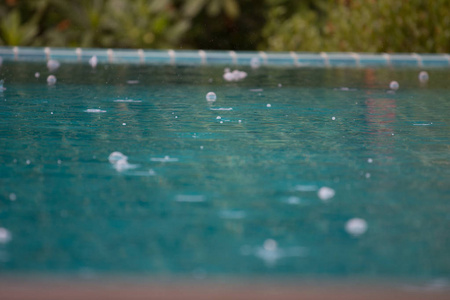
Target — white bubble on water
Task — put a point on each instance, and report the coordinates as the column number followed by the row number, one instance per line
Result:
column 221, row 122
column 218, row 117
column 270, row 245
column 28, row 162
column 255, row 62
column 211, row 96
column 116, row 156
column 369, row 160
column 201, row 147
column 228, row 76
column 12, row 197
column 268, row 105
column 280, row 85
column 367, row 175
column 124, row 124
column 356, row 226
column 240, row 121
column 423, row 77
column 394, row 85
column 53, row 65
column 5, row 235
column 59, row 161
column 37, row 75
column 51, row 80
column 236, row 75
column 333, row 118
column 93, row 61
column 293, row 200
column 326, row 193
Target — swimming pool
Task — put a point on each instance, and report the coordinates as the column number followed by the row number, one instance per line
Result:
column 261, row 182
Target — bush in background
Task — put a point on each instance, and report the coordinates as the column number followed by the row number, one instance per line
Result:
column 281, row 25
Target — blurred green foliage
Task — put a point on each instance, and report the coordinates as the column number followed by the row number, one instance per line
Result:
column 282, row 25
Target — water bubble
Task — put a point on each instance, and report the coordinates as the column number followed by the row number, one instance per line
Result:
column 5, row 235
column 236, row 75
column 240, row 121
column 221, row 122
column 1, row 85
column 201, row 147
column 218, row 117
column 369, row 160
column 37, row 75
column 53, row 65
column 280, row 85
column 423, row 76
column 51, row 80
column 270, row 245
column 367, row 175
column 356, row 226
column 93, row 61
column 211, row 96
column 326, row 193
column 333, row 118
column 268, row 105
column 12, row 197
column 394, row 85
column 124, row 124
column 28, row 162
column 59, row 161
column 116, row 156
column 255, row 63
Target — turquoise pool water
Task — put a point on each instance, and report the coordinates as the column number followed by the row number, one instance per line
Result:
column 229, row 187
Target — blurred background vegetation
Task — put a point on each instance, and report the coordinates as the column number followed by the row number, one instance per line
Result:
column 279, row 25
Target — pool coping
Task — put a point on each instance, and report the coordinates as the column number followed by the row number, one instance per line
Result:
column 214, row 57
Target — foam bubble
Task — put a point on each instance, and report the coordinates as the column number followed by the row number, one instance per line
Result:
column 211, row 96
column 37, row 75
column 116, row 156
column 51, row 80
column 394, row 85
column 423, row 76
column 326, row 193
column 268, row 105
column 12, row 197
column 5, row 235
column 356, row 226
column 53, row 65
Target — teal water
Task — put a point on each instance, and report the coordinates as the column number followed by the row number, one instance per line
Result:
column 198, row 197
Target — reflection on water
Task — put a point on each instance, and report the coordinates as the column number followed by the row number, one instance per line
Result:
column 159, row 185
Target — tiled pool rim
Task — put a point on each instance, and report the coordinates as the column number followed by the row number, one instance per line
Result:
column 201, row 57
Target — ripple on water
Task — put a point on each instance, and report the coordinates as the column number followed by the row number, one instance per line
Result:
column 190, row 198
column 232, row 214
column 221, row 108
column 127, row 101
column 164, row 159
column 94, row 110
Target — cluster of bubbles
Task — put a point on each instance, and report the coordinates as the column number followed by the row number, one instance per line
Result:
column 236, row 75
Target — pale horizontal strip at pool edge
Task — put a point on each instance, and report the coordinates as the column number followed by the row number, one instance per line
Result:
column 211, row 57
